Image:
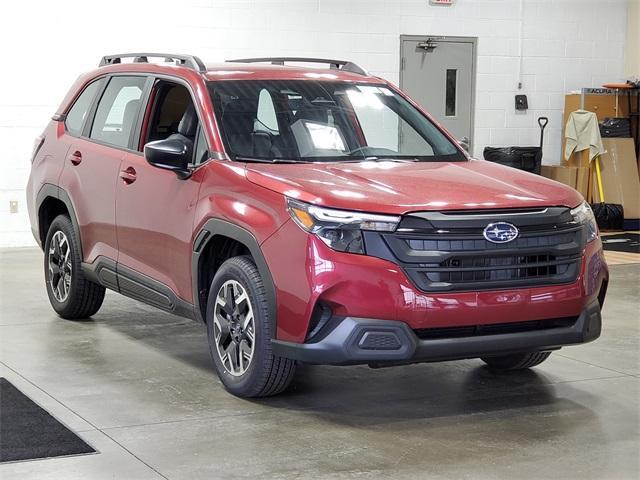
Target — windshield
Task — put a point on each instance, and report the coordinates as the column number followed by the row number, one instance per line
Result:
column 312, row 121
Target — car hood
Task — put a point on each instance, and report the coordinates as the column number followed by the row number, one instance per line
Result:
column 400, row 187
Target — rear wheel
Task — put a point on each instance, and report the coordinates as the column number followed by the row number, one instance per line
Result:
column 516, row 361
column 240, row 330
column 71, row 295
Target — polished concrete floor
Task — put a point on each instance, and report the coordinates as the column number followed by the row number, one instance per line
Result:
column 137, row 384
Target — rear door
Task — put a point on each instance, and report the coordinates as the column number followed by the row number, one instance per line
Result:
column 93, row 162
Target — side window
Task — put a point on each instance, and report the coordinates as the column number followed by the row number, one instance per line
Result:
column 201, row 150
column 172, row 114
column 266, row 113
column 117, row 110
column 76, row 115
column 170, row 104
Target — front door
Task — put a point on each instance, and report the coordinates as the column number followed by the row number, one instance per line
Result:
column 438, row 73
column 155, row 209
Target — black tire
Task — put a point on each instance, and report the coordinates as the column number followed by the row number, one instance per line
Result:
column 266, row 373
column 84, row 297
column 516, row 361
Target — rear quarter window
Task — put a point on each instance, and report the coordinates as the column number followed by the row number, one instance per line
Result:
column 77, row 114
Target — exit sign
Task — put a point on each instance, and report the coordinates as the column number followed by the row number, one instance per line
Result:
column 441, row 2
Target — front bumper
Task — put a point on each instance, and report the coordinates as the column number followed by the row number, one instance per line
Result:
column 351, row 341
column 361, row 286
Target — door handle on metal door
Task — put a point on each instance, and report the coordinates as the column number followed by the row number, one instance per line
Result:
column 128, row 176
column 75, row 158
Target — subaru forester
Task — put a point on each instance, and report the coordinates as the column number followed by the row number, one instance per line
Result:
column 304, row 214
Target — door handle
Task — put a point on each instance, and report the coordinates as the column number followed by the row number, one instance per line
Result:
column 128, row 175
column 75, row 158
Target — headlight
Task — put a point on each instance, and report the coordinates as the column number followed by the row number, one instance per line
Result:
column 583, row 215
column 340, row 229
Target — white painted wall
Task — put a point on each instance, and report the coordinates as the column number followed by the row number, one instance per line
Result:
column 632, row 57
column 44, row 45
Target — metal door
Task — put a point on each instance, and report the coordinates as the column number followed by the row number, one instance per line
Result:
column 439, row 74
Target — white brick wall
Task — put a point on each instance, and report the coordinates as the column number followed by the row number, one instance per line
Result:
column 45, row 45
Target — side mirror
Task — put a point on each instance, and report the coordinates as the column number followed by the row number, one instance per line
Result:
column 171, row 154
column 464, row 143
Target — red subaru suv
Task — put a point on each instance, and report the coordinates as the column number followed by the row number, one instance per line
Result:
column 304, row 215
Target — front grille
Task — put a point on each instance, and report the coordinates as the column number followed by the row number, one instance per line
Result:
column 493, row 329
column 498, row 268
column 443, row 252
column 480, row 244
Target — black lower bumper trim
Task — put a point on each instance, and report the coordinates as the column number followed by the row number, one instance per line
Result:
column 361, row 341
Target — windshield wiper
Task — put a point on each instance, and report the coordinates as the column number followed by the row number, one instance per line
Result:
column 389, row 159
column 267, row 160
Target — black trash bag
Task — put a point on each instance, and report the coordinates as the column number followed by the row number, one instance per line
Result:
column 528, row 159
column 609, row 216
column 523, row 158
column 615, row 128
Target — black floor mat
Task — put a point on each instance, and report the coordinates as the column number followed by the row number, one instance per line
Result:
column 625, row 242
column 27, row 431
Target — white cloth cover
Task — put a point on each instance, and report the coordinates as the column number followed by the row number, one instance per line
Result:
column 581, row 133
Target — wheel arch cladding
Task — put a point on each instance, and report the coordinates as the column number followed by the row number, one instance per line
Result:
column 217, row 241
column 51, row 202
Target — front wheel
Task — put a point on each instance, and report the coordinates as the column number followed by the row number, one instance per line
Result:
column 239, row 330
column 517, row 361
column 71, row 295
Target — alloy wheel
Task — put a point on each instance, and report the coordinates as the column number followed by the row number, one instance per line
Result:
column 234, row 327
column 59, row 263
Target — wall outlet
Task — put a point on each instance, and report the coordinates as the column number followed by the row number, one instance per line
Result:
column 13, row 206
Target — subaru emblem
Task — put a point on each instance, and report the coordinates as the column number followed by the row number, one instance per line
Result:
column 500, row 232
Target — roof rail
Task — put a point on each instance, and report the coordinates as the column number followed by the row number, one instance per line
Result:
column 344, row 65
column 189, row 61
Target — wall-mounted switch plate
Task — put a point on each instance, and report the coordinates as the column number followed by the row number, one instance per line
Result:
column 13, row 206
column 521, row 102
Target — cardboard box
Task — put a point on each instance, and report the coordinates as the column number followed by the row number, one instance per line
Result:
column 566, row 175
column 619, row 171
column 578, row 159
column 602, row 105
column 583, row 182
column 575, row 177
